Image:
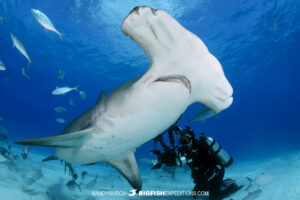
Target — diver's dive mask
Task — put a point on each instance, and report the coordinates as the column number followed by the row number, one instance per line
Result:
column 185, row 139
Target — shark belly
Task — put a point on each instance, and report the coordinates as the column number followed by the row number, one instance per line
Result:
column 140, row 121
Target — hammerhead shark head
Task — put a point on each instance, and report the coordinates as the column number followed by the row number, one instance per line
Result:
column 182, row 72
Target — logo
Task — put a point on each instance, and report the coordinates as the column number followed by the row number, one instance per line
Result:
column 133, row 193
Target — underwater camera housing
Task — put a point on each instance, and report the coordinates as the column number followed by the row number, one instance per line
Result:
column 217, row 151
column 168, row 159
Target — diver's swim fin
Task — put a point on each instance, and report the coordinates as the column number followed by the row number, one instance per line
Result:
column 70, row 140
column 127, row 166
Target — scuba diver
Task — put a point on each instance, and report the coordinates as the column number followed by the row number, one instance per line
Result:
column 205, row 157
column 207, row 161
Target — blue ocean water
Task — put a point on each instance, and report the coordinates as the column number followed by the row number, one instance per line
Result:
column 257, row 42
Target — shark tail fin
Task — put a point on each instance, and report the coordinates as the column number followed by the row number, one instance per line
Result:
column 52, row 157
column 71, row 140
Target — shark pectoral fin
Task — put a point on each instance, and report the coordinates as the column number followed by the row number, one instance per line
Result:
column 127, row 166
column 70, row 140
column 203, row 114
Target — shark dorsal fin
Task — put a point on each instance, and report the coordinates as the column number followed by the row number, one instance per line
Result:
column 84, row 120
column 101, row 97
column 100, row 100
column 127, row 166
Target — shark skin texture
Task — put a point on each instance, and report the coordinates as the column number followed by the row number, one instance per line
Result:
column 182, row 72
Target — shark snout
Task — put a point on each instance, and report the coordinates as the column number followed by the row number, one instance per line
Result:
column 220, row 96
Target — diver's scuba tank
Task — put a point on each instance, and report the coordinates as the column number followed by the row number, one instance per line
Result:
column 217, row 151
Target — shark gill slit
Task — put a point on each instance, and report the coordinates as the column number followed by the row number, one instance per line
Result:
column 176, row 79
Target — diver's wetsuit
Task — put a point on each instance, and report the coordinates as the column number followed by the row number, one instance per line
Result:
column 206, row 172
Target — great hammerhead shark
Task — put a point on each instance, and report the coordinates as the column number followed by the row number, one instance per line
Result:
column 182, row 72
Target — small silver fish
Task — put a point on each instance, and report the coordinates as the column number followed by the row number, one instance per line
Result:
column 63, row 90
column 25, row 153
column 25, row 73
column 72, row 103
column 92, row 183
column 60, row 120
column 2, row 66
column 60, row 73
column 3, row 130
column 45, row 21
column 60, row 109
column 84, row 174
column 1, row 19
column 82, row 95
column 21, row 47
column 26, row 149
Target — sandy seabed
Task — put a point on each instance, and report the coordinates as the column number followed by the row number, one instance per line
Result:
column 32, row 179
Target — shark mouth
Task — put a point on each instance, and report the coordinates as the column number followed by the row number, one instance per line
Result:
column 176, row 79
